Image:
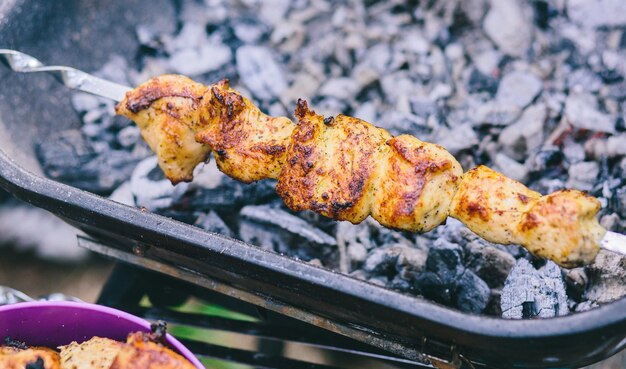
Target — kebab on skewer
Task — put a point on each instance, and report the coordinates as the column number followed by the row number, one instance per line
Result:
column 347, row 169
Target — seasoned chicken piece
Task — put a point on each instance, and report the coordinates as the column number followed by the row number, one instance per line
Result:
column 31, row 358
column 96, row 353
column 415, row 182
column 182, row 121
column 561, row 226
column 167, row 110
column 140, row 352
column 331, row 165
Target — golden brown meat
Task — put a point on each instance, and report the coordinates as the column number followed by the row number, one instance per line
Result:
column 182, row 121
column 561, row 226
column 348, row 169
column 31, row 358
column 140, row 352
column 96, row 353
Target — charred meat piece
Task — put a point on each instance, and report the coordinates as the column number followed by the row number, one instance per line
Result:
column 348, row 169
column 96, row 353
column 141, row 352
column 29, row 358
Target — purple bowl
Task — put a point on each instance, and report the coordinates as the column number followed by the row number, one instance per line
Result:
column 54, row 324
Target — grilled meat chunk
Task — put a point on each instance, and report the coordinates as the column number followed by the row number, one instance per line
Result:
column 348, row 169
column 96, row 353
column 140, row 352
column 561, row 226
column 182, row 121
column 30, row 358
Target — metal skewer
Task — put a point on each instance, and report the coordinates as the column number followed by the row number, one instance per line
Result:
column 70, row 77
column 79, row 80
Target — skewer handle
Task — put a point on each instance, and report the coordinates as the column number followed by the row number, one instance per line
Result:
column 70, row 77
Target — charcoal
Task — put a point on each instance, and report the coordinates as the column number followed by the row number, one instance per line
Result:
column 356, row 254
column 604, row 13
column 510, row 168
column 581, row 111
column 445, row 259
column 383, row 260
column 471, row 293
column 378, row 281
column 273, row 238
column 530, row 292
column 460, row 138
column 583, row 175
column 526, row 134
column 69, row 158
column 83, row 102
column 150, row 187
column 496, row 113
column 259, row 72
column 128, row 136
column 401, row 284
column 584, row 79
column 212, row 189
column 508, row 25
column 195, row 61
column 123, row 194
column 518, row 88
column 488, row 262
column 576, row 281
column 212, row 222
column 480, row 82
column 607, row 278
column 265, row 214
column 547, row 158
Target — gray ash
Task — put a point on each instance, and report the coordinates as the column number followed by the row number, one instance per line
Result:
column 534, row 89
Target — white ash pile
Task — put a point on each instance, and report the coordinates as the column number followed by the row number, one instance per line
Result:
column 534, row 89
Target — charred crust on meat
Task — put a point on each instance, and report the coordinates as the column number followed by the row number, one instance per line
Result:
column 38, row 364
column 143, row 97
column 158, row 331
column 302, row 109
column 233, row 102
column 269, row 149
column 523, row 198
column 475, row 209
column 8, row 341
column 529, row 222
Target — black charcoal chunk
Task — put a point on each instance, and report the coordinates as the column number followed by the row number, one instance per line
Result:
column 530, row 292
column 69, row 158
column 480, row 82
column 265, row 214
column 150, row 187
column 607, row 277
column 382, row 260
column 488, row 262
column 471, row 293
column 212, row 222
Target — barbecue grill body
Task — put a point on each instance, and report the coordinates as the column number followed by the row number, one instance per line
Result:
column 84, row 34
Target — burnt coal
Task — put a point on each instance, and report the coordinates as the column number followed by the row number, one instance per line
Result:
column 266, row 214
column 69, row 158
column 488, row 262
column 530, row 292
column 150, row 187
column 446, row 280
column 212, row 222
